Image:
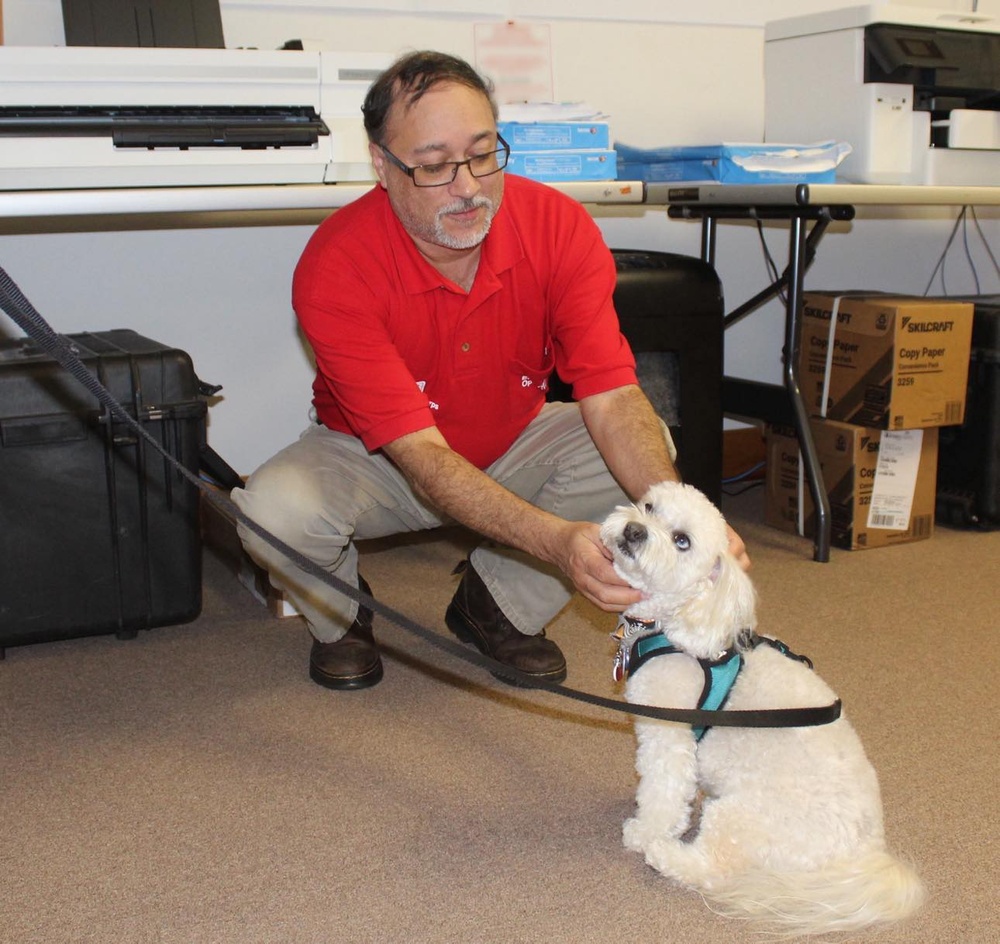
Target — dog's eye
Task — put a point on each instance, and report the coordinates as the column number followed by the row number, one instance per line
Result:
column 648, row 508
column 682, row 541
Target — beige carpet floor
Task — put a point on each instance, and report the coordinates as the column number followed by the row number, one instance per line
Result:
column 192, row 786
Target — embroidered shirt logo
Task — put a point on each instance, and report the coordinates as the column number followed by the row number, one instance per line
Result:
column 421, row 386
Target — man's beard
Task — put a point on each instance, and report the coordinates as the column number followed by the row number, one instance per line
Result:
column 436, row 233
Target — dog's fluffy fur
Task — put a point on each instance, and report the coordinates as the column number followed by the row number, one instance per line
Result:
column 790, row 832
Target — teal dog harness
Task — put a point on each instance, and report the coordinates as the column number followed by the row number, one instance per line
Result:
column 720, row 673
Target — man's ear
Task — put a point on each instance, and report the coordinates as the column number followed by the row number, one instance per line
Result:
column 378, row 162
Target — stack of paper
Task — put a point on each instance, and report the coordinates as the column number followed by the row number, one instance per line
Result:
column 734, row 163
column 558, row 141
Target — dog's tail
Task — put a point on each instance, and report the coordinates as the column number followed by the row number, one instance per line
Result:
column 876, row 889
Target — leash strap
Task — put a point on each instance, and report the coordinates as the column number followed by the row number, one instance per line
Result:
column 24, row 314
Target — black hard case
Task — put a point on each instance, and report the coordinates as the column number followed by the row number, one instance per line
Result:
column 968, row 486
column 98, row 533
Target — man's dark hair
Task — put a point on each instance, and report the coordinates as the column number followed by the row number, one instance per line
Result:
column 409, row 77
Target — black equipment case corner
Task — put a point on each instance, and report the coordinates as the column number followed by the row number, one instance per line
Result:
column 968, row 484
column 98, row 532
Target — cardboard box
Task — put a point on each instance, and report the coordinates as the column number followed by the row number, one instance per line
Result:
column 555, row 135
column 552, row 166
column 885, row 361
column 881, row 484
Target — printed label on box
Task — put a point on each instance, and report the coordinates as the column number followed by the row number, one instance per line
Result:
column 563, row 165
column 885, row 362
column 555, row 135
column 895, row 479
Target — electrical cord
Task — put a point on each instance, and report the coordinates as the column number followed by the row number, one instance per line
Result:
column 968, row 253
column 770, row 263
column 944, row 254
column 982, row 236
column 962, row 220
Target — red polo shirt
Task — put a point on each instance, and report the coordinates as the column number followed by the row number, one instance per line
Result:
column 401, row 348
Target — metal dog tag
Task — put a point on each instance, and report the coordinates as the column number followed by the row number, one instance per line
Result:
column 620, row 669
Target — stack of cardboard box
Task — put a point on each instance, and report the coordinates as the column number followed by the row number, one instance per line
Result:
column 879, row 374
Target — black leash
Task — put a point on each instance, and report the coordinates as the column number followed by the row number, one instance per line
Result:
column 17, row 306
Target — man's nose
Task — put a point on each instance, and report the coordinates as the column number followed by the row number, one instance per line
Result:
column 464, row 183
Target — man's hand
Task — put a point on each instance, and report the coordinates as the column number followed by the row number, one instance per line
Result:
column 587, row 562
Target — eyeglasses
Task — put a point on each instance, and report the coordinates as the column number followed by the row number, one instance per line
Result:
column 444, row 172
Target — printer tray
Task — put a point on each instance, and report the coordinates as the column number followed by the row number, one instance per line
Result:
column 98, row 532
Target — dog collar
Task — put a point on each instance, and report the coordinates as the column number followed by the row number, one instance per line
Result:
column 629, row 633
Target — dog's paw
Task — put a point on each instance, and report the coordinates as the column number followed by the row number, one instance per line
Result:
column 634, row 836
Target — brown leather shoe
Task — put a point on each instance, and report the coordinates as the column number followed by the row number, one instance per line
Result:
column 474, row 617
column 353, row 661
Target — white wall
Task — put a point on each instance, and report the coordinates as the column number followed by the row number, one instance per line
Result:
column 39, row 22
column 223, row 293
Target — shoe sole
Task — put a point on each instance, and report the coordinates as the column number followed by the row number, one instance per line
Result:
column 460, row 626
column 349, row 682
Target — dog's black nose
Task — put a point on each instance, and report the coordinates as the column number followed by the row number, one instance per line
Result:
column 635, row 533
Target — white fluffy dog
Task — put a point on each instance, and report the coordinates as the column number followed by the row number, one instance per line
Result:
column 789, row 832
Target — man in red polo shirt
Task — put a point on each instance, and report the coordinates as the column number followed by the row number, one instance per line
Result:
column 437, row 306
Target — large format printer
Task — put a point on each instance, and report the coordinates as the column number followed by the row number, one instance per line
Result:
column 914, row 91
column 88, row 117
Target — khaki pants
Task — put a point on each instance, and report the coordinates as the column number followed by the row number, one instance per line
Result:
column 326, row 490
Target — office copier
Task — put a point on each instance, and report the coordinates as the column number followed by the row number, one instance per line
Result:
column 90, row 117
column 914, row 91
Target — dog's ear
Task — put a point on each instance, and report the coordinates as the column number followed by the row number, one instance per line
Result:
column 726, row 606
column 740, row 590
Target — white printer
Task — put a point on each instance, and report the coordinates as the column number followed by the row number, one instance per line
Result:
column 90, row 117
column 914, row 91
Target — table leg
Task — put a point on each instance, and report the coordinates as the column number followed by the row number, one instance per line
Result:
column 796, row 269
column 708, row 239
